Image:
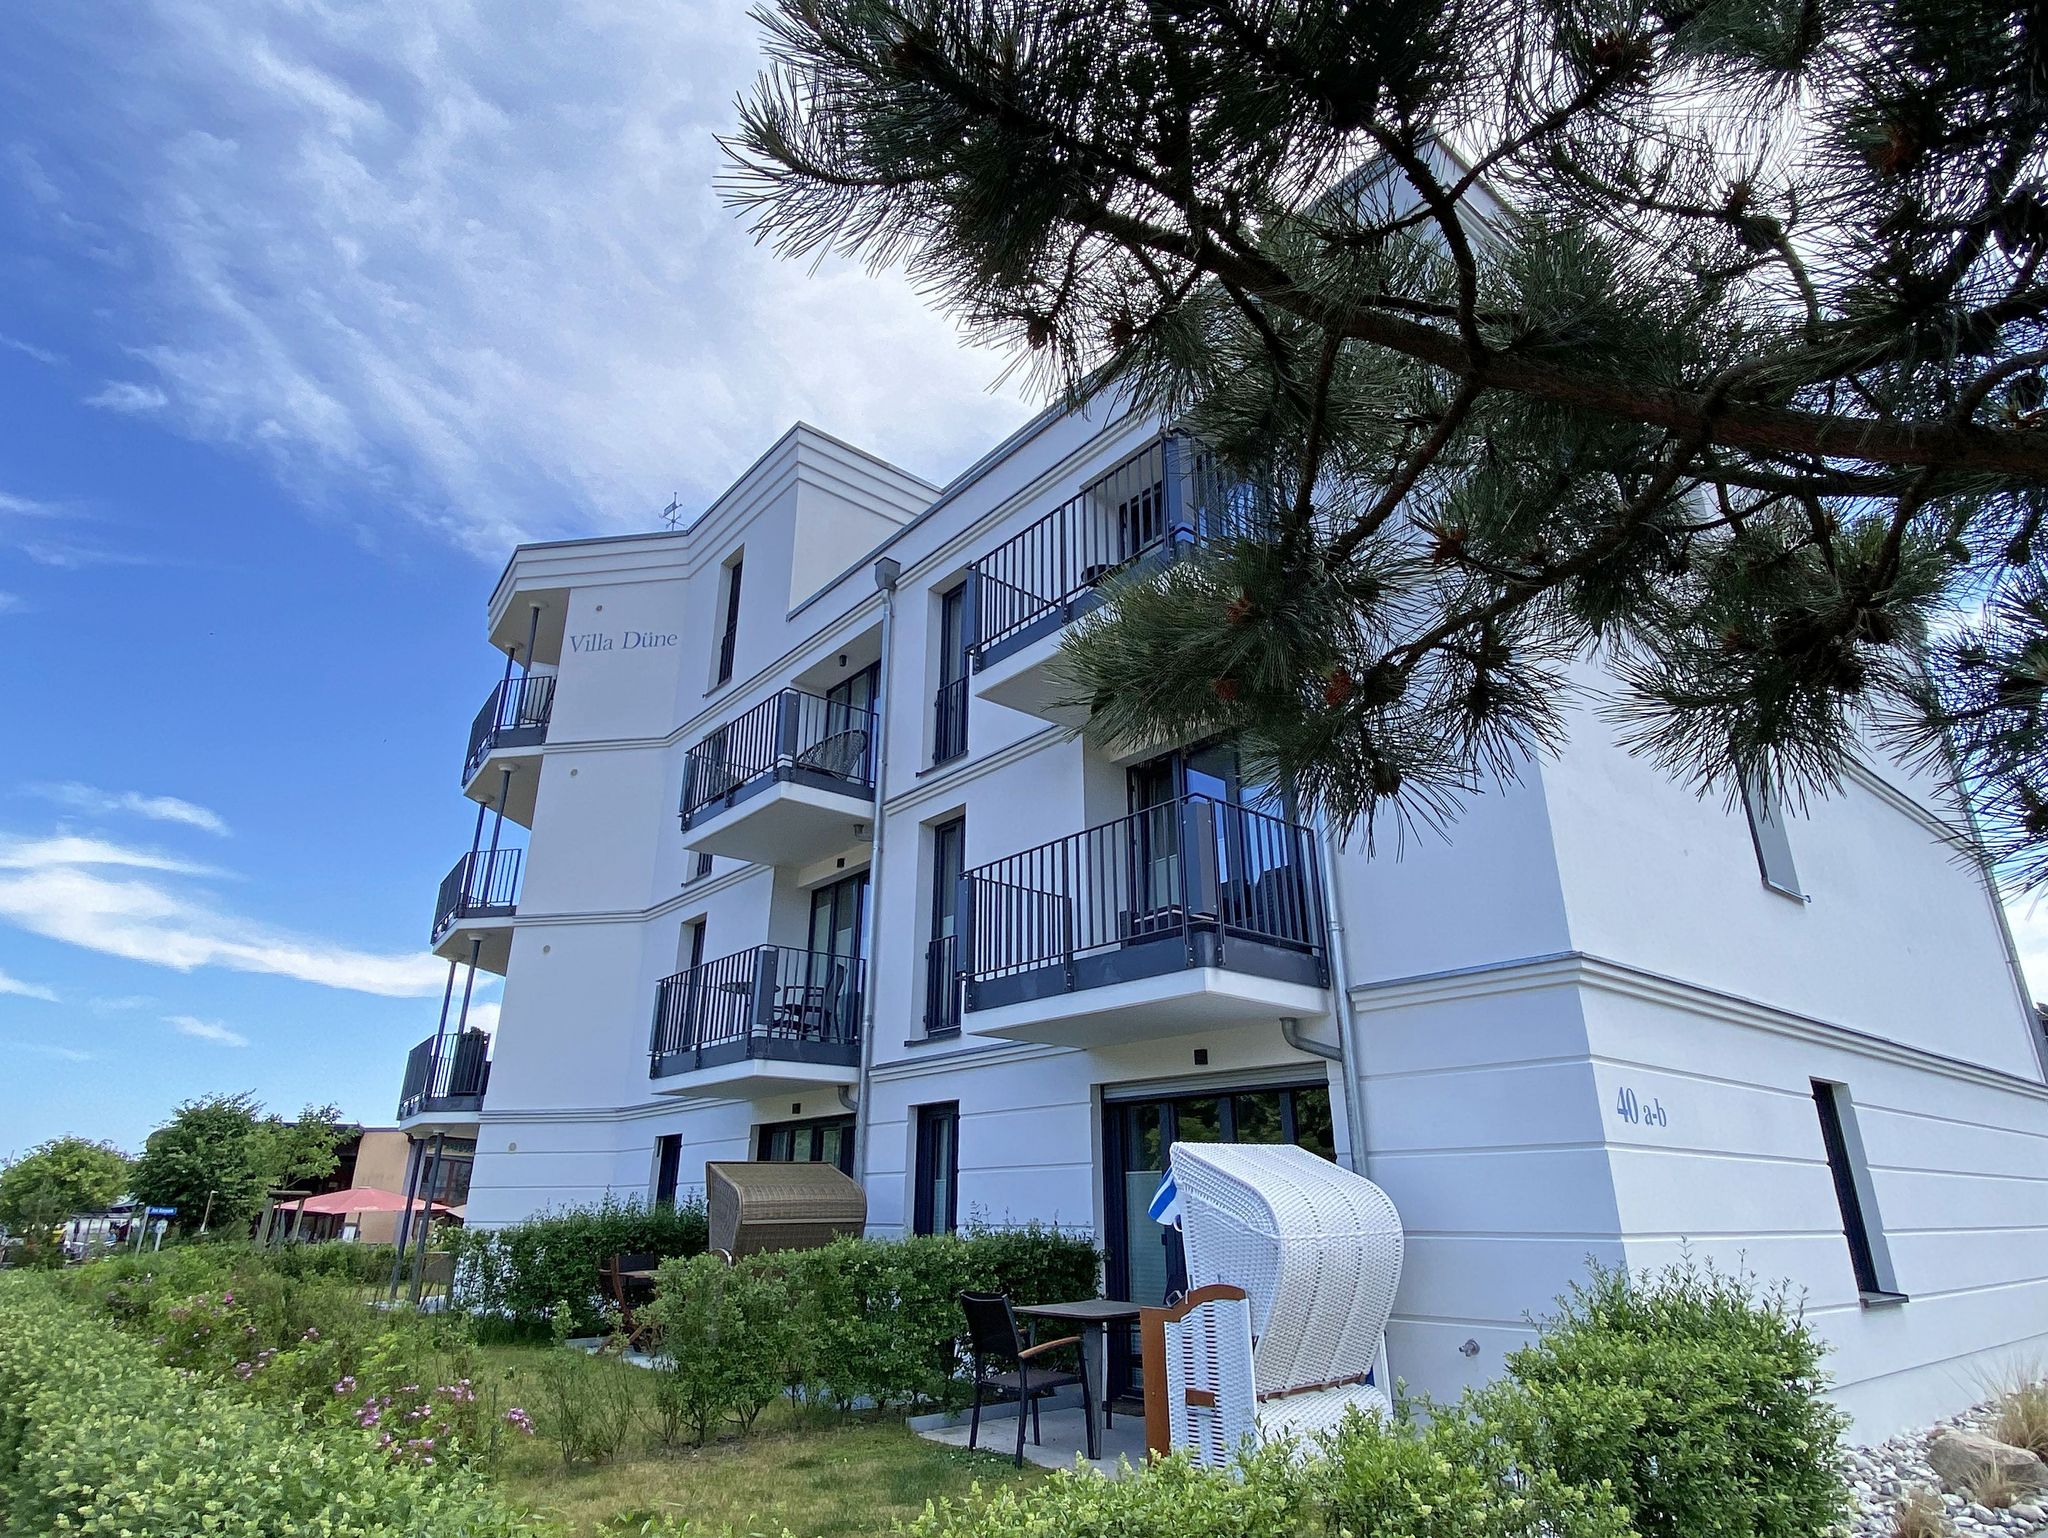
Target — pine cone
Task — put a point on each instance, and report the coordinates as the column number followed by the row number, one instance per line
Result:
column 1339, row 688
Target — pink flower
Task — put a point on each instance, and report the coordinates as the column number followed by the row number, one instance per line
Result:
column 346, row 1385
column 244, row 1371
column 311, row 1333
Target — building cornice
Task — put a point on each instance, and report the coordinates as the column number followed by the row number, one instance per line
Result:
column 1582, row 969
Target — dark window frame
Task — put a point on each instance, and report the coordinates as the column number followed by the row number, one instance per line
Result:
column 949, row 704
column 668, row 1168
column 1869, row 1258
column 766, row 1133
column 935, row 1207
column 942, row 961
column 1768, row 838
column 729, row 623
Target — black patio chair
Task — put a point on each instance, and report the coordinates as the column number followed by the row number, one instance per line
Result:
column 1006, row 1369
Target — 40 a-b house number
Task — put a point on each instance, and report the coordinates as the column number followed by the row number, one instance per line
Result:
column 1640, row 1113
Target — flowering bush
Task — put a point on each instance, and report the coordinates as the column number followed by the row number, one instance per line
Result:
column 95, row 1437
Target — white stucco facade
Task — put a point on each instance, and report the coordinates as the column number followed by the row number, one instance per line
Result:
column 1580, row 1027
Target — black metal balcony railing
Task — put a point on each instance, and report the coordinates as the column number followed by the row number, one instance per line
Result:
column 768, row 1002
column 1143, row 513
column 483, row 884
column 941, row 986
column 949, row 721
column 454, row 1080
column 790, row 737
column 1188, row 883
column 515, row 716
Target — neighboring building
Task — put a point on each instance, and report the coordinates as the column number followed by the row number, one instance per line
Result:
column 377, row 1157
column 1603, row 1019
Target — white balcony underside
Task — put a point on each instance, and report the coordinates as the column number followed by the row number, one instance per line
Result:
column 1025, row 680
column 1147, row 1008
column 754, row 1079
column 783, row 824
column 520, row 792
column 495, row 955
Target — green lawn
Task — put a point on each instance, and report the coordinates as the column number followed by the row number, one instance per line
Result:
column 814, row 1472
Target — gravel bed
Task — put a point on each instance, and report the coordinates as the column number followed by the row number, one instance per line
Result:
column 1879, row 1476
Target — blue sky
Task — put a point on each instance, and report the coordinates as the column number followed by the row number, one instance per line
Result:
column 307, row 313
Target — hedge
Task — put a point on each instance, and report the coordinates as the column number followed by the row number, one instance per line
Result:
column 95, row 1437
column 857, row 1321
column 514, row 1276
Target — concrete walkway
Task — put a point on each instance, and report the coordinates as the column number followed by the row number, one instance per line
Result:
column 1065, row 1436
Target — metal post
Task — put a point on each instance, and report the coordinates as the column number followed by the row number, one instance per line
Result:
column 447, row 993
column 887, row 573
column 504, row 794
column 963, row 933
column 476, row 945
column 403, row 1237
column 419, row 1259
column 532, row 637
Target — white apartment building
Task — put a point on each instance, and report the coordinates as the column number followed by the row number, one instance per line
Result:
column 787, row 850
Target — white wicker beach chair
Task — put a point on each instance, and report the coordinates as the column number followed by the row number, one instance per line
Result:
column 1292, row 1266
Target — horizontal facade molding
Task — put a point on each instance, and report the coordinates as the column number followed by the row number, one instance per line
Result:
column 1567, row 969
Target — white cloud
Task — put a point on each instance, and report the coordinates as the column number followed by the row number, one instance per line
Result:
column 136, row 398
column 45, row 1049
column 114, row 900
column 12, row 603
column 480, row 272
column 13, row 506
column 206, row 1030
column 29, row 349
column 483, row 1016
column 87, row 798
column 22, row 990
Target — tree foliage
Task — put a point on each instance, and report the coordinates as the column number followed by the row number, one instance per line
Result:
column 53, row 1180
column 1701, row 339
column 219, row 1156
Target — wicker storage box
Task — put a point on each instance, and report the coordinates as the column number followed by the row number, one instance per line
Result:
column 754, row 1208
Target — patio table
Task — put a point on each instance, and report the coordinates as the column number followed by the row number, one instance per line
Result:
column 1094, row 1316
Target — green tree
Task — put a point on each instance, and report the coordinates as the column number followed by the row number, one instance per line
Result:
column 53, row 1180
column 1704, row 338
column 219, row 1156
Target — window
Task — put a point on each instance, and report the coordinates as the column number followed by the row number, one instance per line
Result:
column 1854, row 1194
column 668, row 1164
column 702, row 867
column 942, row 959
column 729, row 634
column 451, row 1173
column 949, row 708
column 935, row 1209
column 691, row 952
column 828, row 1140
column 1767, row 832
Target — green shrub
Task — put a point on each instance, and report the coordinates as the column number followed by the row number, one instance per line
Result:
column 589, row 1403
column 1447, row 1476
column 875, row 1321
column 726, row 1335
column 1167, row 1499
column 1697, row 1399
column 95, row 1437
column 510, row 1279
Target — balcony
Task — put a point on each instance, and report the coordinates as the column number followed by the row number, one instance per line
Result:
column 1021, row 596
column 475, row 899
column 761, row 1021
column 784, row 784
column 512, row 725
column 450, row 1085
column 1182, row 917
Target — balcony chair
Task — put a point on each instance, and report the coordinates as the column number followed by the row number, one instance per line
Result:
column 810, row 1011
column 843, row 756
column 1292, row 1265
column 630, row 1295
column 1006, row 1370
